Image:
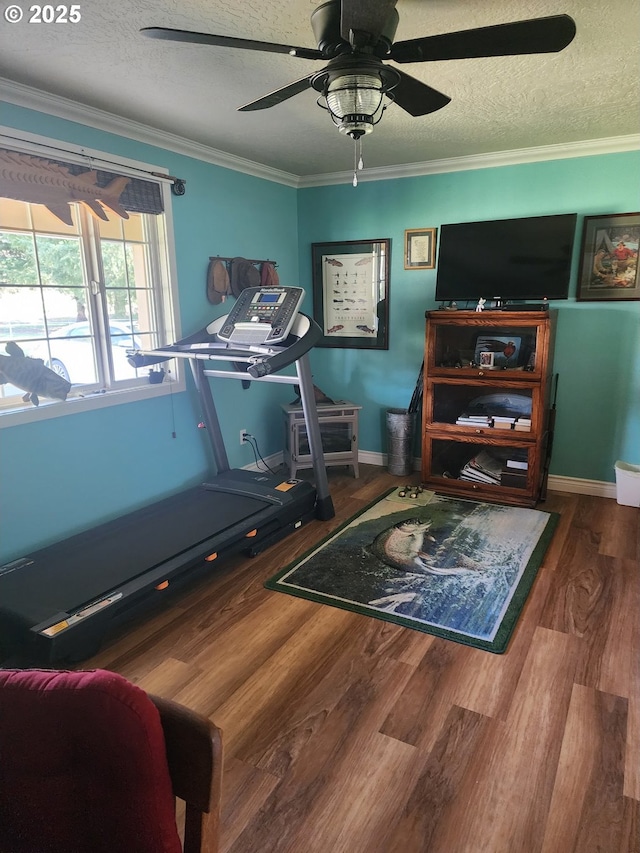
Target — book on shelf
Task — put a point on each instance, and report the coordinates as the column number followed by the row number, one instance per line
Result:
column 482, row 468
column 515, row 422
column 487, row 463
column 463, row 420
column 519, row 464
column 473, row 475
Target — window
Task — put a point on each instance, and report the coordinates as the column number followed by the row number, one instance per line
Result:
column 81, row 282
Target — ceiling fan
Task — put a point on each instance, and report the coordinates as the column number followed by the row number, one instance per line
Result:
column 355, row 36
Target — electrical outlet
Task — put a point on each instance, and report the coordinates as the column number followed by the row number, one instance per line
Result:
column 243, row 436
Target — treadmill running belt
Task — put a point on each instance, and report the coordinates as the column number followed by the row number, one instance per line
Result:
column 99, row 560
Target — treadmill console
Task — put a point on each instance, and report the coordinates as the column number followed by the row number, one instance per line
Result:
column 262, row 315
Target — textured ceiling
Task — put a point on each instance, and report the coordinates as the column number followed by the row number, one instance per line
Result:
column 589, row 91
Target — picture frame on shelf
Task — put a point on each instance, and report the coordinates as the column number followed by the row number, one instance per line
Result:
column 609, row 258
column 351, row 293
column 486, row 359
column 503, row 349
column 420, row 248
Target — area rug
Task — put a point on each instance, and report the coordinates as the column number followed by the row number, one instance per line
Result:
column 455, row 568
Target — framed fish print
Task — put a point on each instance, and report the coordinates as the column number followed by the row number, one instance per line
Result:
column 351, row 293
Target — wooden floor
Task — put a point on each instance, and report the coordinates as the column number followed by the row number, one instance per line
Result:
column 345, row 734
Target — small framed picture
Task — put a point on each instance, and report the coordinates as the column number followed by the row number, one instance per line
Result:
column 486, row 359
column 420, row 249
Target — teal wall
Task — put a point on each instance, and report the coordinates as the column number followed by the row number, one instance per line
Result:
column 597, row 347
column 68, row 473
column 65, row 474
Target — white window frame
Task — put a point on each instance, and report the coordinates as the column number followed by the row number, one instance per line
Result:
column 29, row 143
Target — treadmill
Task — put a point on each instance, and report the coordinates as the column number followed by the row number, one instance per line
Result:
column 61, row 602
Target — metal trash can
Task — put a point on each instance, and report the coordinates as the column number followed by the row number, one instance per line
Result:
column 400, row 425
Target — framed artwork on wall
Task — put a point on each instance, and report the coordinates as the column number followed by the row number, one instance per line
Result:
column 609, row 258
column 351, row 293
column 420, row 249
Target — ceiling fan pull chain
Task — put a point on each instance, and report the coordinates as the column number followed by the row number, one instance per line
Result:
column 358, row 162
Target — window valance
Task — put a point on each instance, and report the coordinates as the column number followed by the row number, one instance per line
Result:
column 57, row 184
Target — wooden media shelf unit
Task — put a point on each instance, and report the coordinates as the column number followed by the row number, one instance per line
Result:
column 486, row 415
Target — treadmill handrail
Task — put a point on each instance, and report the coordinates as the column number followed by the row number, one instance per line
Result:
column 273, row 363
column 305, row 333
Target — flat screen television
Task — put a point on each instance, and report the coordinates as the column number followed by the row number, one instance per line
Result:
column 506, row 259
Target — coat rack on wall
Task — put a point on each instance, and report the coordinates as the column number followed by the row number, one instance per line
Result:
column 248, row 260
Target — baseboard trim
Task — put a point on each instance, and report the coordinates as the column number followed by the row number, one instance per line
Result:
column 557, row 483
column 273, row 461
column 597, row 488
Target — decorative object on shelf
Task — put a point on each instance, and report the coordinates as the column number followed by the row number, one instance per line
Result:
column 609, row 258
column 481, row 303
column 156, row 376
column 31, row 375
column 505, row 350
column 318, row 393
column 351, row 293
column 420, row 249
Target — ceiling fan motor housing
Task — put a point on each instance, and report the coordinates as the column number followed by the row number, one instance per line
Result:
column 325, row 22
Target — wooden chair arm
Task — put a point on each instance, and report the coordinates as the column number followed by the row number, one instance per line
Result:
column 194, row 755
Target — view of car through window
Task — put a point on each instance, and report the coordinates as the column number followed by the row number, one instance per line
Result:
column 70, row 352
column 78, row 296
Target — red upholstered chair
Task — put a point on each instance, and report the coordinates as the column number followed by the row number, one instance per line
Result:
column 89, row 763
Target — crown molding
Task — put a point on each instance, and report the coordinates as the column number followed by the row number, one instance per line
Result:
column 587, row 148
column 64, row 108
column 35, row 99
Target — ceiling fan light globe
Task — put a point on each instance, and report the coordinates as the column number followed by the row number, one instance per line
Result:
column 355, row 93
column 355, row 103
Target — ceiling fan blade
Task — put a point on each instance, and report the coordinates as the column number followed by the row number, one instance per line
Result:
column 416, row 98
column 227, row 41
column 278, row 96
column 364, row 16
column 540, row 35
